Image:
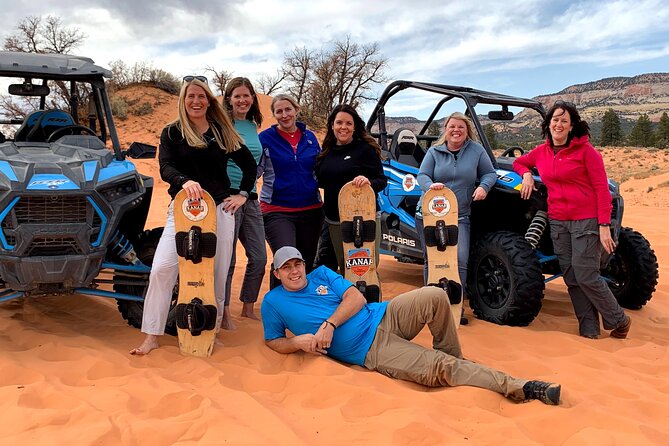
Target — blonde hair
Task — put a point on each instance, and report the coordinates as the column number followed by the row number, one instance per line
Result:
column 471, row 133
column 285, row 97
column 225, row 134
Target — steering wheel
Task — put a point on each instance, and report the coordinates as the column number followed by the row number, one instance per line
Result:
column 70, row 130
column 511, row 151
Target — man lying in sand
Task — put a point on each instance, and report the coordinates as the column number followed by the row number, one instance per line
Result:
column 329, row 316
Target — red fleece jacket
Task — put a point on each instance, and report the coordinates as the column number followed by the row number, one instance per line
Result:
column 575, row 178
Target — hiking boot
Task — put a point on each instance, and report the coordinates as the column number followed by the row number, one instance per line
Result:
column 547, row 393
column 621, row 331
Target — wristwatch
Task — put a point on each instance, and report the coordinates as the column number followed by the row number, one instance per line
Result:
column 244, row 194
column 606, row 225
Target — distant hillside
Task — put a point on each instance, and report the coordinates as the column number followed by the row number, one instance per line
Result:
column 630, row 97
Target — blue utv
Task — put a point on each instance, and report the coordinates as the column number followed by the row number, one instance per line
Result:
column 72, row 205
column 511, row 255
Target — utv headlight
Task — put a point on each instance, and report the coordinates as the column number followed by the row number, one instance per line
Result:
column 120, row 190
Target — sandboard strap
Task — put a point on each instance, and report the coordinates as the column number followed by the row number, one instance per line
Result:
column 453, row 289
column 358, row 231
column 196, row 317
column 372, row 293
column 193, row 245
column 441, row 235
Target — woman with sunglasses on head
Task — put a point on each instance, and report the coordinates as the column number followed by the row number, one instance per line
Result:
column 242, row 103
column 349, row 154
column 193, row 156
column 579, row 212
column 289, row 199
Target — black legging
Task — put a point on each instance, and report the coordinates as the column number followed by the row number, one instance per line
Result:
column 300, row 229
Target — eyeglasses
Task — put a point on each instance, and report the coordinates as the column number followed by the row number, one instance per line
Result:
column 190, row 78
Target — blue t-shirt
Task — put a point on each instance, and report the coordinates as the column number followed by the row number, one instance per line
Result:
column 249, row 133
column 304, row 312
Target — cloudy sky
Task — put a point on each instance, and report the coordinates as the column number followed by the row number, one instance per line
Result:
column 518, row 47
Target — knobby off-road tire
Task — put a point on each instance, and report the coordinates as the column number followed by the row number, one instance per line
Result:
column 632, row 272
column 132, row 311
column 505, row 282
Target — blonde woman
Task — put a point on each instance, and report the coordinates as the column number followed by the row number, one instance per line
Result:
column 193, row 156
column 457, row 161
column 289, row 200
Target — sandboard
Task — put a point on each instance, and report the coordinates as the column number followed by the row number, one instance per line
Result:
column 195, row 224
column 440, row 221
column 357, row 215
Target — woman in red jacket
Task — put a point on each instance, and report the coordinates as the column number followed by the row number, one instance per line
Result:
column 579, row 210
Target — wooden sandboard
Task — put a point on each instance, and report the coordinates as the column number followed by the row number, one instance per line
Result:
column 357, row 215
column 440, row 220
column 196, row 276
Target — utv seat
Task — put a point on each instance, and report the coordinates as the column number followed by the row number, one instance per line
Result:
column 40, row 124
column 405, row 149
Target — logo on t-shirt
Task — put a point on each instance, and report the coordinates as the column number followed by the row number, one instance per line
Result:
column 322, row 290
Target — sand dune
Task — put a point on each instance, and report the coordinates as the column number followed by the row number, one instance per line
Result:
column 66, row 377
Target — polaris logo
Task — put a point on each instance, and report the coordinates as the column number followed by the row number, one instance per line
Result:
column 401, row 240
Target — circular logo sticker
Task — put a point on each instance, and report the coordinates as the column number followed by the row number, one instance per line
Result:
column 439, row 206
column 408, row 183
column 195, row 210
column 359, row 261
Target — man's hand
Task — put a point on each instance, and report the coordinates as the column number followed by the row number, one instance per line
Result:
column 308, row 343
column 323, row 337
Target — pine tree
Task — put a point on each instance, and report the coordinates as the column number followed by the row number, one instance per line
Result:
column 489, row 131
column 662, row 135
column 642, row 133
column 612, row 134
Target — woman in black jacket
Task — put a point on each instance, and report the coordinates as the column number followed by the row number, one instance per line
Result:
column 349, row 153
column 193, row 155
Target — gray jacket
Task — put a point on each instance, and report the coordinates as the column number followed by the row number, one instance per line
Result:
column 459, row 175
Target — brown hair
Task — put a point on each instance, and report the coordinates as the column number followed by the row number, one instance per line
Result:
column 254, row 113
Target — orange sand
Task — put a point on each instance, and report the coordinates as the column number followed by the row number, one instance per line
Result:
column 66, row 376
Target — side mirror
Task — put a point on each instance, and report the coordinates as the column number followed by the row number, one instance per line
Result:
column 500, row 115
column 28, row 89
column 138, row 150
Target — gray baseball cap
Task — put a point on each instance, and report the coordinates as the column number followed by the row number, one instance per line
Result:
column 282, row 255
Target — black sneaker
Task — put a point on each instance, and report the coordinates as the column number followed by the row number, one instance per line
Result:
column 547, row 393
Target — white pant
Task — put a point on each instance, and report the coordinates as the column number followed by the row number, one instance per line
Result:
column 165, row 270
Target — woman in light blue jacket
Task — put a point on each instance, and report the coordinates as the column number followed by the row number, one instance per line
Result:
column 457, row 161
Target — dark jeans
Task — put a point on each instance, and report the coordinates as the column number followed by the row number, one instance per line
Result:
column 300, row 229
column 325, row 256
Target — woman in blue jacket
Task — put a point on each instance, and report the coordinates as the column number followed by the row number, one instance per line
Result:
column 289, row 199
column 457, row 161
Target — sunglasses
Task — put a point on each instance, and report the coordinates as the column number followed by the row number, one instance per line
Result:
column 564, row 103
column 190, row 78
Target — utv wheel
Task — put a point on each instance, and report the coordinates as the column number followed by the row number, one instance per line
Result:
column 505, row 282
column 632, row 272
column 132, row 311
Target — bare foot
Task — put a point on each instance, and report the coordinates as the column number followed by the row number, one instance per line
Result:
column 226, row 323
column 247, row 311
column 150, row 343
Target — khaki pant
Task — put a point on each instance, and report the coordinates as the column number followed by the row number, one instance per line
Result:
column 393, row 354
